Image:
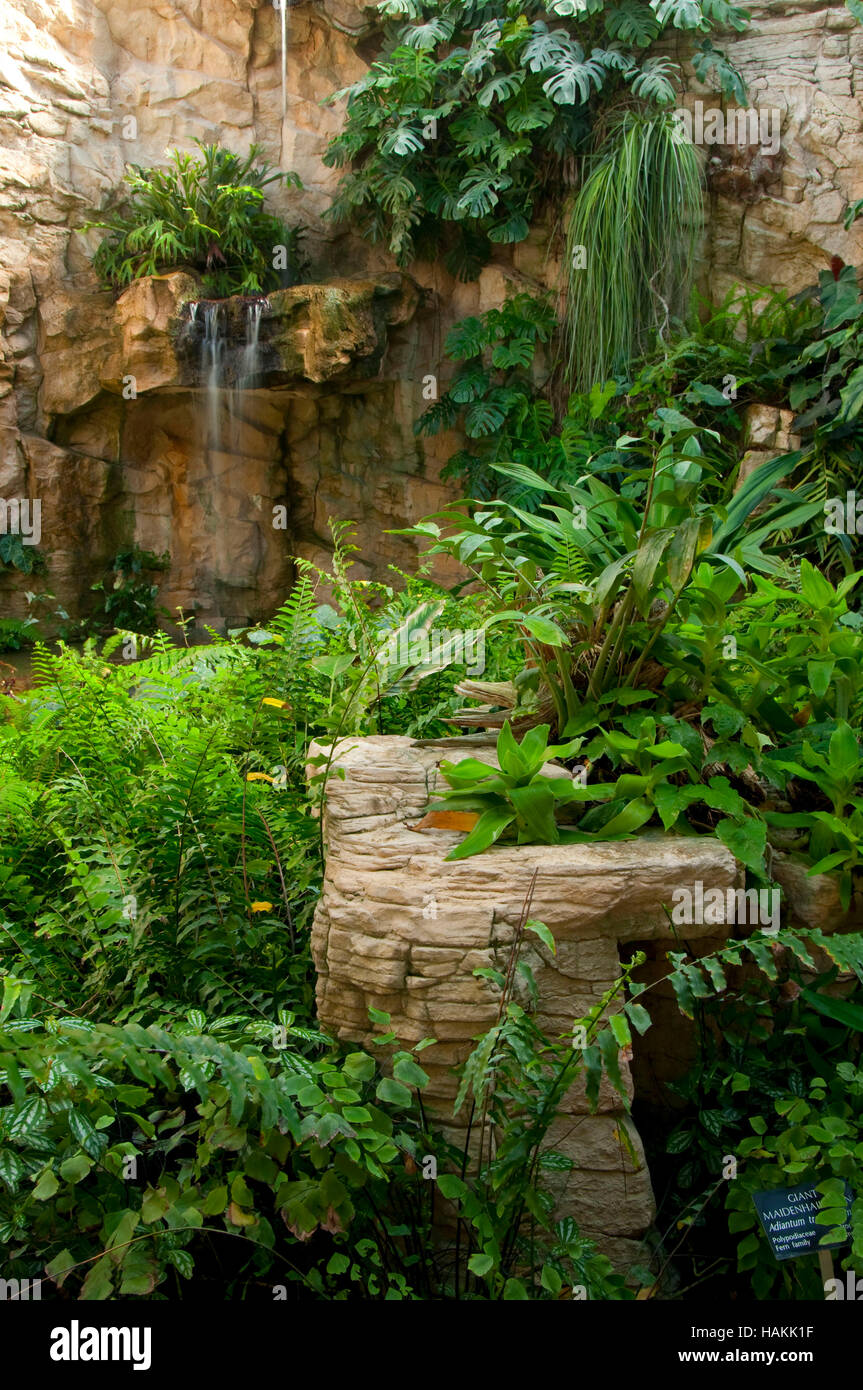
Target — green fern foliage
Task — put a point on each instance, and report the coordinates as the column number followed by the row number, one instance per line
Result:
column 205, row 212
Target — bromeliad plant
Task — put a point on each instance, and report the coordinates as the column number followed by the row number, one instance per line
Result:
column 206, row 212
column 520, row 794
column 657, row 779
column 598, row 579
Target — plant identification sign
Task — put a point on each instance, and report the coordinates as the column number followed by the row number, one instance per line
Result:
column 788, row 1217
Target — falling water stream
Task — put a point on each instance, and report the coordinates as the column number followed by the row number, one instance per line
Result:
column 250, row 362
column 226, row 369
column 283, row 18
column 212, row 373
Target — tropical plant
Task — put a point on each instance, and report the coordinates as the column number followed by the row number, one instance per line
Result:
column 820, row 1143
column 657, row 778
column 763, row 1040
column 128, row 1154
column 596, row 580
column 835, row 836
column 517, row 794
column 493, row 394
column 469, row 115
column 205, row 212
column 801, row 353
column 16, row 554
column 16, row 633
column 630, row 245
column 130, row 597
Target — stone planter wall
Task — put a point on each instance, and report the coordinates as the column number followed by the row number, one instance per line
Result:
column 400, row 929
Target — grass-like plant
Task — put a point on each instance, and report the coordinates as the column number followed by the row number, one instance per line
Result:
column 630, row 245
column 206, row 212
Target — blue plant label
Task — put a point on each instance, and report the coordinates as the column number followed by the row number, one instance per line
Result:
column 788, row 1217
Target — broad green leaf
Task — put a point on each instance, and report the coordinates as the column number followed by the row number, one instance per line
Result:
column 487, row 830
column 647, row 560
column 98, row 1285
column 75, row 1169
column 392, row 1092
column 359, row 1065
column 746, row 840
column 46, row 1186
column 451, row 1187
column 541, row 930
column 407, row 1071
column 509, row 754
column 534, row 805
column 544, row 630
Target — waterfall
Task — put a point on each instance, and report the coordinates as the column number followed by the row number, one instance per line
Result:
column 282, row 6
column 247, row 366
column 250, row 362
column 212, row 371
column 229, row 362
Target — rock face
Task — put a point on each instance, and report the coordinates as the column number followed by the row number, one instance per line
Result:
column 133, row 415
column 91, row 85
column 766, row 433
column 400, row 929
column 776, row 214
column 84, row 90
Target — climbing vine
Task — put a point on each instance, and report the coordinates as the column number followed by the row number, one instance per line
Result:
column 473, row 112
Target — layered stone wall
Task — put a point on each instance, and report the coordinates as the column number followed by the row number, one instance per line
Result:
column 398, row 928
column 778, row 221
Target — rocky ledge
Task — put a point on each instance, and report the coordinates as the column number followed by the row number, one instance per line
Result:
column 151, row 337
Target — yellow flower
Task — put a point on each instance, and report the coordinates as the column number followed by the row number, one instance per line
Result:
column 279, row 704
column 262, row 907
column 258, row 777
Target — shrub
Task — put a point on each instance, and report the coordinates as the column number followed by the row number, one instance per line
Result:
column 130, row 598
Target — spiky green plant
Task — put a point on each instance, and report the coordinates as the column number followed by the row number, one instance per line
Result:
column 205, row 212
column 630, row 244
